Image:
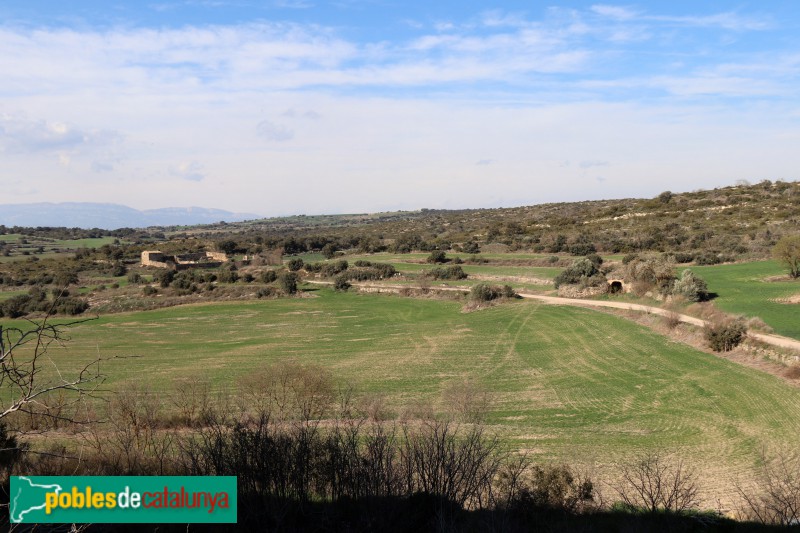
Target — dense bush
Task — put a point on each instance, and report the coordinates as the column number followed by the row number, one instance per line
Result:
column 707, row 258
column 582, row 248
column 329, row 251
column 723, row 335
column 376, row 271
column 483, row 292
column 331, row 269
column 164, row 277
column 582, row 271
column 340, row 283
column 38, row 302
column 683, row 257
column 266, row 292
column 16, row 306
column 227, row 275
column 690, row 286
column 471, row 247
column 70, row 306
column 118, row 269
column 294, row 264
column 437, row 256
column 453, row 272
column 288, row 282
column 556, row 487
column 651, row 272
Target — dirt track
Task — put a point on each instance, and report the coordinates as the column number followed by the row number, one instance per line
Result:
column 775, row 340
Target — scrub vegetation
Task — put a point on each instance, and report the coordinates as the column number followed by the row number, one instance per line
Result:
column 339, row 352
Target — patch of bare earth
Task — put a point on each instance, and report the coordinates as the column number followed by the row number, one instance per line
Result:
column 795, row 299
column 513, row 279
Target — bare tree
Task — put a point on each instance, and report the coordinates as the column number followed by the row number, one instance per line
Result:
column 29, row 377
column 655, row 483
column 777, row 497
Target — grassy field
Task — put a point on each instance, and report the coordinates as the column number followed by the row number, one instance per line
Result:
column 743, row 288
column 51, row 247
column 415, row 262
column 567, row 383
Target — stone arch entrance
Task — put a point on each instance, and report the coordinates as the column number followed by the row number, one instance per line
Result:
column 615, row 286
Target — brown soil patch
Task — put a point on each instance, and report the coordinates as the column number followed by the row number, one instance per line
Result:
column 790, row 300
column 782, row 277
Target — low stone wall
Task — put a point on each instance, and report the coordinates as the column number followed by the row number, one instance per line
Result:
column 157, row 259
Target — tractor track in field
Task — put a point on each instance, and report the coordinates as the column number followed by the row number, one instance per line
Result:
column 767, row 338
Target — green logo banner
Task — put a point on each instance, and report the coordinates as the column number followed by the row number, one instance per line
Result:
column 123, row 499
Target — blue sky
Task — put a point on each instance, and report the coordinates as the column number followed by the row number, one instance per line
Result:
column 299, row 106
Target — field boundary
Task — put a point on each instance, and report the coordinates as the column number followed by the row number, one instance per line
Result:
column 768, row 338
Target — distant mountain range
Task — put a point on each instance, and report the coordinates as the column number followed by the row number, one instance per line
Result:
column 111, row 216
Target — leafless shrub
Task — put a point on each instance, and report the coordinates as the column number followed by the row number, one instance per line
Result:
column 671, row 320
column 287, row 390
column 467, row 399
column 655, row 483
column 192, row 398
column 792, row 372
column 374, row 407
column 130, row 440
column 640, row 288
column 460, row 468
column 417, row 410
column 757, row 324
column 777, row 500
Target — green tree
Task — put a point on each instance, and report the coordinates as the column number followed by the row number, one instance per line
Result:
column 295, row 264
column 340, row 283
column 329, row 251
column 288, row 282
column 787, row 252
column 229, row 247
column 437, row 256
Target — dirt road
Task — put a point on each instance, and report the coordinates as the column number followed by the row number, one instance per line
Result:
column 775, row 340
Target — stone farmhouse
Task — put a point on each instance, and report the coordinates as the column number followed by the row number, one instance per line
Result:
column 155, row 258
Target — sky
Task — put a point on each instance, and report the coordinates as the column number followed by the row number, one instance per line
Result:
column 283, row 107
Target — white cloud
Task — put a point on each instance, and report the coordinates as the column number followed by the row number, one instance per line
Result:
column 615, row 12
column 274, row 132
column 272, row 109
column 293, row 4
column 728, row 21
column 190, row 171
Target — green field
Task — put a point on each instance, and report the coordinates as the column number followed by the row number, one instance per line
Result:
column 56, row 243
column 414, row 263
column 51, row 247
column 566, row 383
column 743, row 288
